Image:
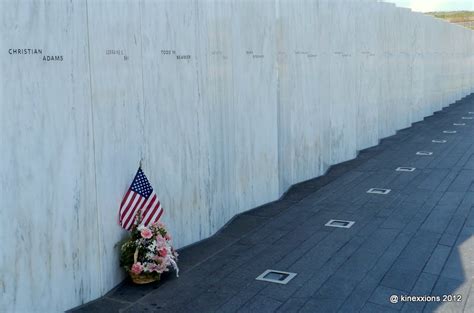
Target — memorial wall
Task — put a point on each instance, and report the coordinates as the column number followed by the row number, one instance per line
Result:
column 228, row 103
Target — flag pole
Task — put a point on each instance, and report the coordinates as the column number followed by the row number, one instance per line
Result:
column 139, row 212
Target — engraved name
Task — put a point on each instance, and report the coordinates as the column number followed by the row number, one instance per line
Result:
column 25, row 51
column 49, row 58
column 183, row 57
column 114, row 52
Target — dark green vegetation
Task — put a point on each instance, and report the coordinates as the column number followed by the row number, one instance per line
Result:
column 463, row 18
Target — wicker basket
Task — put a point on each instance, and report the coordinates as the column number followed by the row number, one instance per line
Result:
column 142, row 278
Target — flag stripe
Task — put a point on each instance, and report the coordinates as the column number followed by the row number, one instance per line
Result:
column 139, row 199
column 152, row 199
column 155, row 210
column 132, row 204
column 129, row 204
column 155, row 217
column 126, row 202
column 151, row 211
column 139, row 207
column 150, row 205
column 161, row 212
column 129, row 213
column 131, row 218
column 125, row 198
column 144, row 204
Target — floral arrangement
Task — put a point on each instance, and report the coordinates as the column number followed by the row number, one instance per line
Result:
column 148, row 253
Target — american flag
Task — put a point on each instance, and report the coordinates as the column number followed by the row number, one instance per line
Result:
column 140, row 196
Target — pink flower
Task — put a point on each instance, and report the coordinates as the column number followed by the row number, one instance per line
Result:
column 163, row 252
column 167, row 237
column 162, row 267
column 153, row 267
column 160, row 224
column 160, row 242
column 159, row 259
column 146, row 233
column 137, row 268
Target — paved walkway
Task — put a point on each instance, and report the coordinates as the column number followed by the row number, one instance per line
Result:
column 416, row 240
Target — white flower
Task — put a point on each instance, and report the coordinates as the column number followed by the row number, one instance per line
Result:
column 152, row 246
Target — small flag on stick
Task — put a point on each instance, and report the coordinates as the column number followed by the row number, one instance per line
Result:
column 139, row 197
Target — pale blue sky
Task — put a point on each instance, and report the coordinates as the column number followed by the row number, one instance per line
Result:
column 435, row 5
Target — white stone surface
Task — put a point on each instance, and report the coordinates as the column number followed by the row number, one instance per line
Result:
column 49, row 255
column 118, row 118
column 264, row 94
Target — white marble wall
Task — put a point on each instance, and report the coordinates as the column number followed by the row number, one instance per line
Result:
column 228, row 103
column 50, row 251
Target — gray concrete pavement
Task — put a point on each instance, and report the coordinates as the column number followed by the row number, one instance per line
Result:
column 416, row 240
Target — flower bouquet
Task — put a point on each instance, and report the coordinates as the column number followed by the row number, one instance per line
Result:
column 148, row 252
